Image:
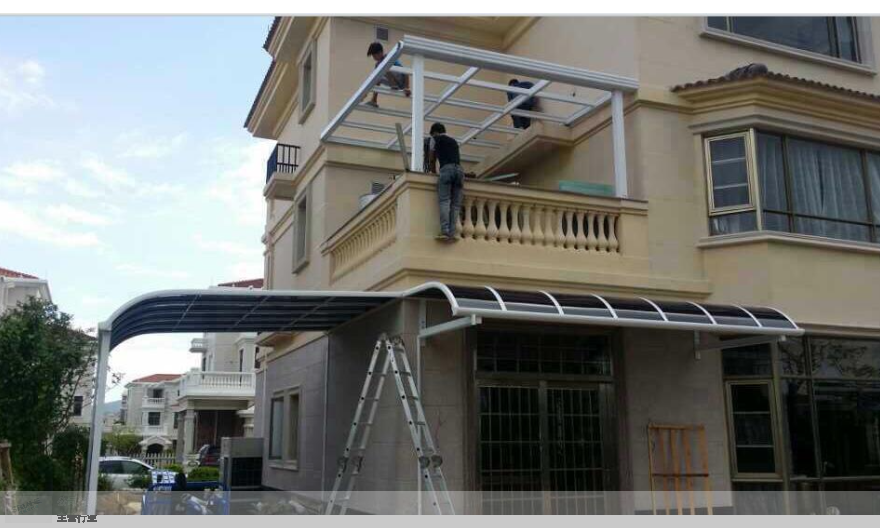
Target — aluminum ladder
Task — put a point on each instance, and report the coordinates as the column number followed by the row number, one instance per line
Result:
column 350, row 464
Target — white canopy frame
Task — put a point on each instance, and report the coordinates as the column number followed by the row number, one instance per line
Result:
column 237, row 309
column 544, row 74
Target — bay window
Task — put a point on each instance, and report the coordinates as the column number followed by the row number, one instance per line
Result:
column 805, row 186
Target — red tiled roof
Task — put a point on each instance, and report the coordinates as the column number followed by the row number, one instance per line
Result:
column 758, row 71
column 250, row 283
column 152, row 378
column 15, row 274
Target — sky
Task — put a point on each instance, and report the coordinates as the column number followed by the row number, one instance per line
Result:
column 124, row 164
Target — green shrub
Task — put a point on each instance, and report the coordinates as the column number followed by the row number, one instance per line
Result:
column 141, row 481
column 176, row 468
column 104, row 483
column 203, row 474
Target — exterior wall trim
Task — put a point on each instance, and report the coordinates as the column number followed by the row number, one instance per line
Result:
column 755, row 237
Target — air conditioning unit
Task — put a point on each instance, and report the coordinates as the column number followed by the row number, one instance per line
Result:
column 241, row 463
column 376, row 188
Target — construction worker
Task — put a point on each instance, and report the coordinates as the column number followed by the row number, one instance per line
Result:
column 394, row 80
column 444, row 149
column 528, row 104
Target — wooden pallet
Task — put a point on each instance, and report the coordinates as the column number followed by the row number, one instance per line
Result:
column 674, row 450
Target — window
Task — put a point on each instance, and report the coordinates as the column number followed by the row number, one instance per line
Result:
column 301, row 232
column 728, row 166
column 276, row 429
column 157, row 393
column 307, row 82
column 827, row 431
column 381, row 33
column 806, row 187
column 284, row 427
column 256, row 358
column 241, row 360
column 154, row 418
column 176, row 418
column 204, row 363
column 830, row 36
column 751, row 425
column 77, row 405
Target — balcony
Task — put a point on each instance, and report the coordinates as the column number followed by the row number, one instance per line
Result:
column 217, row 385
column 280, row 169
column 153, row 430
column 504, row 232
column 198, row 345
column 153, row 403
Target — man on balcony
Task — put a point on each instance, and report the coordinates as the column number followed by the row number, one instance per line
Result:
column 528, row 104
column 444, row 149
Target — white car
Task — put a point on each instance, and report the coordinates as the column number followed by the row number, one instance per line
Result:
column 120, row 469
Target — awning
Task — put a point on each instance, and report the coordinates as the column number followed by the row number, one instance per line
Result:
column 238, row 310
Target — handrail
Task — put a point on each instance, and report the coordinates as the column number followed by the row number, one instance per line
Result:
column 284, row 158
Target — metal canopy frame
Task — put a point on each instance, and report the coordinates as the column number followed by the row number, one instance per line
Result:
column 239, row 310
column 475, row 60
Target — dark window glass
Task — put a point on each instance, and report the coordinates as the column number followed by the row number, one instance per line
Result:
column 730, row 174
column 752, row 428
column 874, row 183
column 154, row 418
column 792, row 357
column 77, row 405
column 733, row 223
column 499, row 351
column 845, row 358
column 832, row 229
column 276, row 429
column 176, row 418
column 832, row 36
column 776, row 222
column 848, row 414
column 111, row 467
column 747, row 361
column 798, row 427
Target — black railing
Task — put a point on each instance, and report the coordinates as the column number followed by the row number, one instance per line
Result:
column 284, row 158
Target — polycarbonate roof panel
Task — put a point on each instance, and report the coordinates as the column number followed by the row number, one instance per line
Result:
column 238, row 310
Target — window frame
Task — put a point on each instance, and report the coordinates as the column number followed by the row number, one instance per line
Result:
column 149, row 413
column 302, row 207
column 862, row 35
column 751, row 169
column 78, row 404
column 291, row 425
column 735, row 473
column 306, row 99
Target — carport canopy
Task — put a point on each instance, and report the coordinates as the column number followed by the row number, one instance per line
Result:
column 223, row 310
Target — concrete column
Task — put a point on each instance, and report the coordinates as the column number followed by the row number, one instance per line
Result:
column 189, row 431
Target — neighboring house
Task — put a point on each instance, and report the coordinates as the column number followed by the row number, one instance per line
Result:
column 755, row 186
column 146, row 411
column 216, row 400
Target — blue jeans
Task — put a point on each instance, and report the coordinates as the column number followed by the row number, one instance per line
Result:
column 449, row 194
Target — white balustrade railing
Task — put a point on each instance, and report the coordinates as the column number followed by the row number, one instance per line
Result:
column 154, row 402
column 199, row 382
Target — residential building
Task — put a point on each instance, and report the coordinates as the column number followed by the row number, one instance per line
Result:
column 216, row 399
column 695, row 162
column 147, row 411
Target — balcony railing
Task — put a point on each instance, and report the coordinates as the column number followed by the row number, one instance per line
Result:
column 217, row 384
column 284, row 158
column 502, row 230
column 198, row 345
column 153, row 402
column 152, row 430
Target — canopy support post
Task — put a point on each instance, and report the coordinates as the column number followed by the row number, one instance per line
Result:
column 418, row 114
column 619, row 141
column 97, row 430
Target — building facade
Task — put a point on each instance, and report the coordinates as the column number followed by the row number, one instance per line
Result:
column 743, row 168
column 146, row 410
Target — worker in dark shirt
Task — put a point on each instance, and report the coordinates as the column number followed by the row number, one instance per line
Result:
column 394, row 80
column 444, row 150
column 528, row 104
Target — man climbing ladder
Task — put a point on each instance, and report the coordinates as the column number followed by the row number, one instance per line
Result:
column 352, row 459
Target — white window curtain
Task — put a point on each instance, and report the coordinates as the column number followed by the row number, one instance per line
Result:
column 771, row 172
column 827, row 181
column 874, row 184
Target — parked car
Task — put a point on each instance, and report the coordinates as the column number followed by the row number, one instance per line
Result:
column 209, row 455
column 119, row 470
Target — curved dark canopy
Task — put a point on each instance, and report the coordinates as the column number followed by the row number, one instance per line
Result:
column 237, row 310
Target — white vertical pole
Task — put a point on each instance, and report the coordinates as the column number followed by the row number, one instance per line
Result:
column 423, row 323
column 418, row 113
column 97, row 430
column 619, row 140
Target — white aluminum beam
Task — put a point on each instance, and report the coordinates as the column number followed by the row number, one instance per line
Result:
column 619, row 144
column 97, row 421
column 550, row 96
column 456, row 84
column 504, row 129
column 392, row 130
column 449, row 326
column 374, row 77
column 380, row 145
column 490, row 60
column 418, row 113
column 587, row 110
column 508, row 108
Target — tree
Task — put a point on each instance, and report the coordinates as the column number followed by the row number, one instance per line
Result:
column 43, row 358
column 124, row 442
